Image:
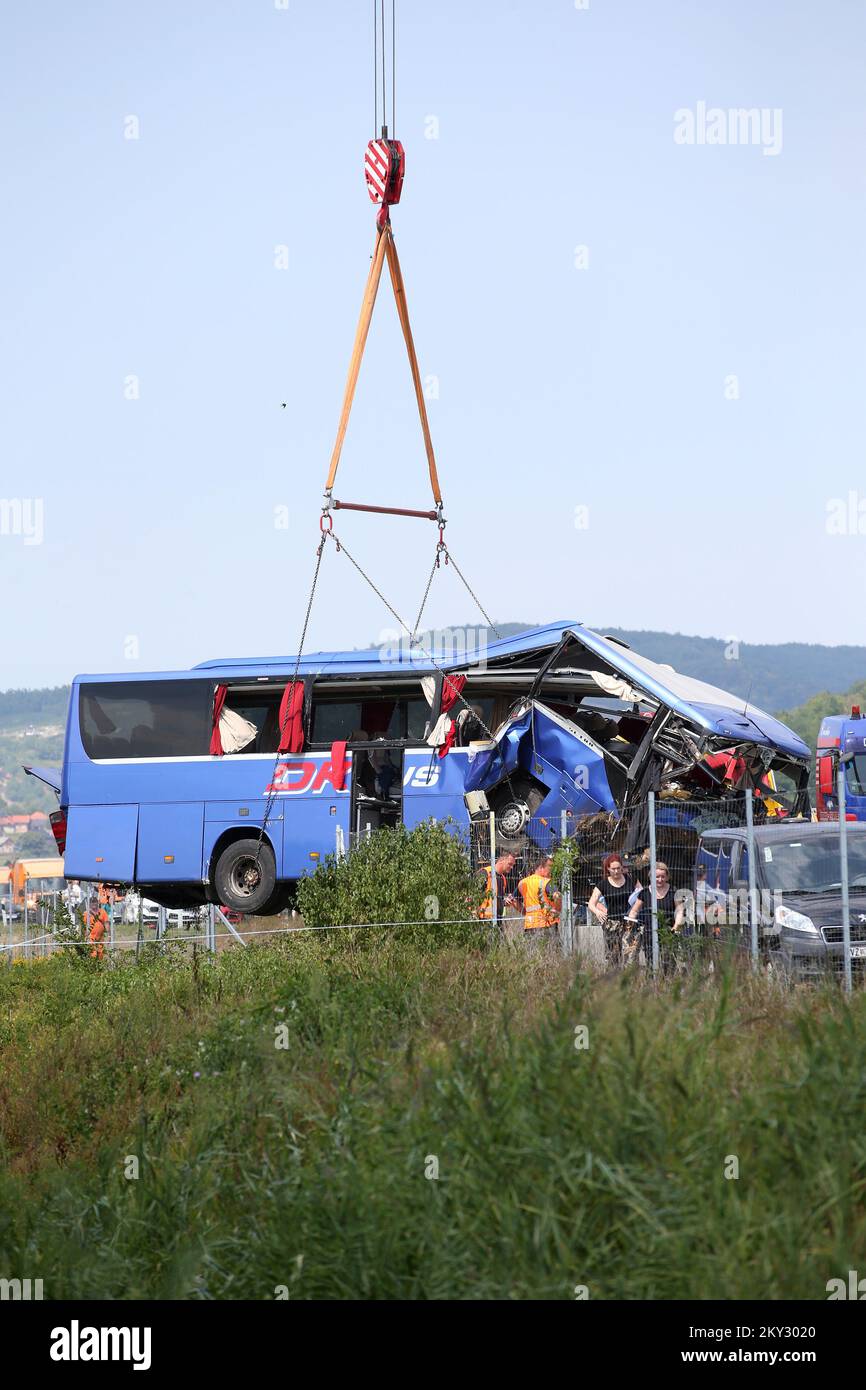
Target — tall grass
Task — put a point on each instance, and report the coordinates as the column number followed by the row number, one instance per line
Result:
column 304, row 1166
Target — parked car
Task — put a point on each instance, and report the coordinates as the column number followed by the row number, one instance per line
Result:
column 798, row 879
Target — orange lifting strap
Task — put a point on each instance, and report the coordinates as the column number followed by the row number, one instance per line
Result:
column 384, row 247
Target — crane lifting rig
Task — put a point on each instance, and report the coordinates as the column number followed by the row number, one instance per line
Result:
column 384, row 171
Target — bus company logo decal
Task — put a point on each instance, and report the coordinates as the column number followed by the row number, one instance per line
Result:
column 76, row 1343
column 309, row 775
column 422, row 777
column 304, row 775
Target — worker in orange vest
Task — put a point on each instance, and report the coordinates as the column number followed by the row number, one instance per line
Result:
column 503, row 867
column 95, row 924
column 540, row 904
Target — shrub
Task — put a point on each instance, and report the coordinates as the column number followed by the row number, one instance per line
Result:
column 417, row 876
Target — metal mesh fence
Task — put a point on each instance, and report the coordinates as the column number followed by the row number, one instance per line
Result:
column 674, row 885
column 671, row 885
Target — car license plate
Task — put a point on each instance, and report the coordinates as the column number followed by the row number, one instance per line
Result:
column 858, row 952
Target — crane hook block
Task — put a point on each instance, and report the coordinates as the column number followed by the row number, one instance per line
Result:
column 384, row 167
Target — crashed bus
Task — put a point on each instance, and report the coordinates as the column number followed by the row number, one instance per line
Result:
column 228, row 782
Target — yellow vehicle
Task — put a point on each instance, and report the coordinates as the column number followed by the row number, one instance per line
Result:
column 33, row 878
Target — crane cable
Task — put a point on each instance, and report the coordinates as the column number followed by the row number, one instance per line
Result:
column 379, row 9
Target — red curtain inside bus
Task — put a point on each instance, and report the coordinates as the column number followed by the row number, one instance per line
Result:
column 219, row 699
column 452, row 689
column 292, row 718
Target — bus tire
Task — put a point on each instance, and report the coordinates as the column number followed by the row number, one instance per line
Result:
column 239, row 882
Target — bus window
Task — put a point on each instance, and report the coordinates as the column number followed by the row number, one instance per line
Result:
column 146, row 719
column 262, row 710
column 417, row 718
column 340, row 719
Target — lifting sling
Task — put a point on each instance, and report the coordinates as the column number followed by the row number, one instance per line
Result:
column 385, row 247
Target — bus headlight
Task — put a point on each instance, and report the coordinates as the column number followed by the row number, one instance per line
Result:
column 793, row 921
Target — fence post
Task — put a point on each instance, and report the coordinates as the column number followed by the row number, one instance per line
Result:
column 88, row 920
column 494, row 886
column 160, row 923
column 340, row 844
column 211, row 928
column 654, row 897
column 843, row 864
column 138, row 933
column 566, row 925
column 753, row 878
column 26, row 925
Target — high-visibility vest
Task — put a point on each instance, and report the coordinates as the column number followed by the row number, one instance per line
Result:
column 537, row 906
column 486, row 908
column 97, row 922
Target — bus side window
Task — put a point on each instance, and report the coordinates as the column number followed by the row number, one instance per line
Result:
column 335, row 720
column 262, row 714
column 146, row 719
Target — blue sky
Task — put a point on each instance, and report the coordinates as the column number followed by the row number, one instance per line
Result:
column 606, row 388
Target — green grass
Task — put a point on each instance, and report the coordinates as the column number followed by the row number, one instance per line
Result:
column 305, row 1167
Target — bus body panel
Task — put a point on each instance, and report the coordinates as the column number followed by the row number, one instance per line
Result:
column 101, row 842
column 169, row 842
column 310, row 808
column 434, row 787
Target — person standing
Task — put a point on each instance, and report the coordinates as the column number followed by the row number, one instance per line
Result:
column 671, row 915
column 504, row 898
column 611, row 902
column 540, row 904
column 96, row 924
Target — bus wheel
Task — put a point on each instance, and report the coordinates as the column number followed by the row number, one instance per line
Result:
column 239, row 881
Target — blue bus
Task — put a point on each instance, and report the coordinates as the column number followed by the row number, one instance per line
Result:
column 173, row 781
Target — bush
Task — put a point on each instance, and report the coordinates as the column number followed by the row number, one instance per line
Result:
column 417, row 876
column 69, row 932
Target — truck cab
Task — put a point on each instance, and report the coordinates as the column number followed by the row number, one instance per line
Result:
column 841, row 737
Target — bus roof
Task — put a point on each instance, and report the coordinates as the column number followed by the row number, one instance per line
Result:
column 395, row 656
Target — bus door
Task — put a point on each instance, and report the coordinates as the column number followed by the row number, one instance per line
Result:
column 376, row 787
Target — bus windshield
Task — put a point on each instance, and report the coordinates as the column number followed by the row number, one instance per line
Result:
column 857, row 775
